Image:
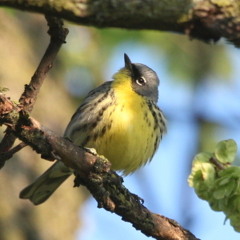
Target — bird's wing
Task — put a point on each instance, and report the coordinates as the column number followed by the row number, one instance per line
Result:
column 86, row 115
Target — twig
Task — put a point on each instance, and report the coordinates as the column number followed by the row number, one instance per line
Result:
column 7, row 141
column 28, row 98
column 218, row 164
column 4, row 156
column 94, row 172
column 58, row 35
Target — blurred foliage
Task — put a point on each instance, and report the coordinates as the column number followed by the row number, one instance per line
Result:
column 80, row 65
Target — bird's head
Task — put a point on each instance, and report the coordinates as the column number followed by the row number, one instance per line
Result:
column 144, row 80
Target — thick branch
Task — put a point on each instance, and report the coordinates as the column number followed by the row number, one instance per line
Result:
column 93, row 172
column 206, row 19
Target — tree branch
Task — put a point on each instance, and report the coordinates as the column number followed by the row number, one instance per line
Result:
column 4, row 156
column 28, row 98
column 57, row 38
column 93, row 172
column 208, row 20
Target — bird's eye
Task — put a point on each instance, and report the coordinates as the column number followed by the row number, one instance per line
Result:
column 141, row 81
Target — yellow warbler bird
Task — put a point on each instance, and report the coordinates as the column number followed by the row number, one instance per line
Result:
column 120, row 119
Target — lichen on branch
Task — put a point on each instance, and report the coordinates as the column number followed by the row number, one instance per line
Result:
column 207, row 20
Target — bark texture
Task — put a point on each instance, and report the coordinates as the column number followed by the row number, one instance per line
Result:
column 208, row 20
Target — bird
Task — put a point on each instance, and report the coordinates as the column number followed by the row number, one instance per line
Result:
column 120, row 119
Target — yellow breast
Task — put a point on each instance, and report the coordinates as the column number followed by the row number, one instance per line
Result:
column 131, row 135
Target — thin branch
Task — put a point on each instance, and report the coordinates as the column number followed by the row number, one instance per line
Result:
column 9, row 138
column 93, row 172
column 7, row 141
column 217, row 164
column 7, row 155
column 58, row 35
column 28, row 98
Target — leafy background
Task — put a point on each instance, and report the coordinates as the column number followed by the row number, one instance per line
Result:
column 199, row 94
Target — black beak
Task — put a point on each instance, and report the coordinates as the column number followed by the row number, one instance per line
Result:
column 128, row 63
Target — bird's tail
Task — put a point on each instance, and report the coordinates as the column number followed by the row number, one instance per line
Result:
column 45, row 185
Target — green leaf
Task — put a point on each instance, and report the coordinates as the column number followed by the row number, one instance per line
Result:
column 203, row 172
column 226, row 151
column 234, row 205
column 202, row 157
column 223, row 191
column 220, row 186
column 235, row 222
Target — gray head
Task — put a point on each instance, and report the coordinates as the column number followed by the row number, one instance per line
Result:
column 144, row 80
